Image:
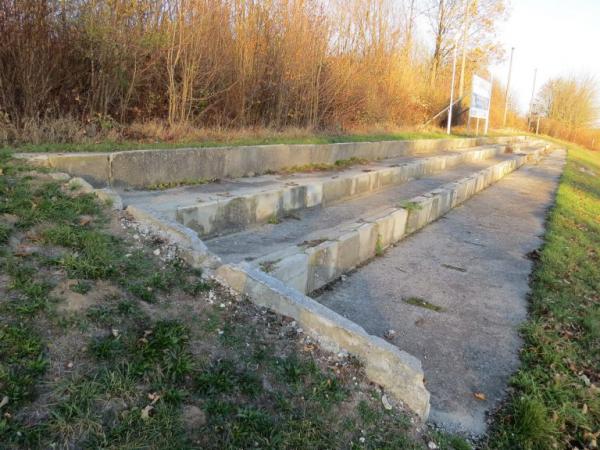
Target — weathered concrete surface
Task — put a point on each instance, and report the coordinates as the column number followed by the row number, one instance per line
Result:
column 168, row 202
column 396, row 371
column 94, row 167
column 193, row 250
column 278, row 196
column 325, row 223
column 473, row 264
column 142, row 168
column 341, row 252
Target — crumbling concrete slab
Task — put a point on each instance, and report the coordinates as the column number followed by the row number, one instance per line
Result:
column 398, row 372
column 473, row 264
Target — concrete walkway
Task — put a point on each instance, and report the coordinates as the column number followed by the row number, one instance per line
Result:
column 471, row 263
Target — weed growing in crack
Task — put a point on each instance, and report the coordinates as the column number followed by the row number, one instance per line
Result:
column 411, row 206
column 422, row 303
column 379, row 250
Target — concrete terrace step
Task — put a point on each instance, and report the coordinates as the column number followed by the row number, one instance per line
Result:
column 269, row 198
column 314, row 251
column 265, row 261
column 318, row 223
column 144, row 168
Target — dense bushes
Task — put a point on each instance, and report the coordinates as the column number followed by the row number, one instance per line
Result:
column 83, row 69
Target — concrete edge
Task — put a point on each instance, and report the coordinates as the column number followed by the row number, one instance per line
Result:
column 396, row 371
column 309, row 269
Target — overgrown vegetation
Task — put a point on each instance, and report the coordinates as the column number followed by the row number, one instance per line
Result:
column 411, row 206
column 556, row 397
column 105, row 345
column 185, row 137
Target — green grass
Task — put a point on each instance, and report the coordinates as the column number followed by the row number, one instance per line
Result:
column 340, row 164
column 120, row 373
column 22, row 362
column 274, row 220
column 556, row 399
column 315, row 139
column 422, row 303
column 379, row 250
column 174, row 184
column 411, row 206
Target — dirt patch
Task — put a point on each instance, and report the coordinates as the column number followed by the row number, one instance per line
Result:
column 193, row 417
column 73, row 301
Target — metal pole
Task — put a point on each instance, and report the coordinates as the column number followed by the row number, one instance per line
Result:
column 512, row 51
column 449, row 125
column 531, row 101
column 487, row 119
column 461, row 83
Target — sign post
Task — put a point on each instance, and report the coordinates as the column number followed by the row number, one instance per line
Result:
column 449, row 124
column 481, row 95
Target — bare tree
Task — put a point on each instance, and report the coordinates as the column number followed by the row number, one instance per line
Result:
column 572, row 101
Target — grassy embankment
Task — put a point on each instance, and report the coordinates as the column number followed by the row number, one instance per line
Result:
column 233, row 138
column 107, row 340
column 556, row 397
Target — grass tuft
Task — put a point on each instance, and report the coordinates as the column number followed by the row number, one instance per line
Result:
column 422, row 303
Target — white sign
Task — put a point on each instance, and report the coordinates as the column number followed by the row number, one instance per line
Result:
column 481, row 95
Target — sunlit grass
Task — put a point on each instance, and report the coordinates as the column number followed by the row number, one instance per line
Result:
column 556, row 403
column 226, row 140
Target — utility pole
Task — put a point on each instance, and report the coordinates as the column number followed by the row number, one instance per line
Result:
column 487, row 119
column 512, row 52
column 409, row 31
column 532, row 97
column 461, row 84
column 449, row 125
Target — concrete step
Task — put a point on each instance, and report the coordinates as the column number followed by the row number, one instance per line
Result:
column 270, row 198
column 316, row 246
column 274, row 264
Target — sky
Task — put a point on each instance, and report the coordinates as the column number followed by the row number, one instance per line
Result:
column 558, row 37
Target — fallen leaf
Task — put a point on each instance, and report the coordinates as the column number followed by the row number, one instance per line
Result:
column 154, row 397
column 309, row 347
column 85, row 220
column 146, row 412
column 479, row 396
column 4, row 401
